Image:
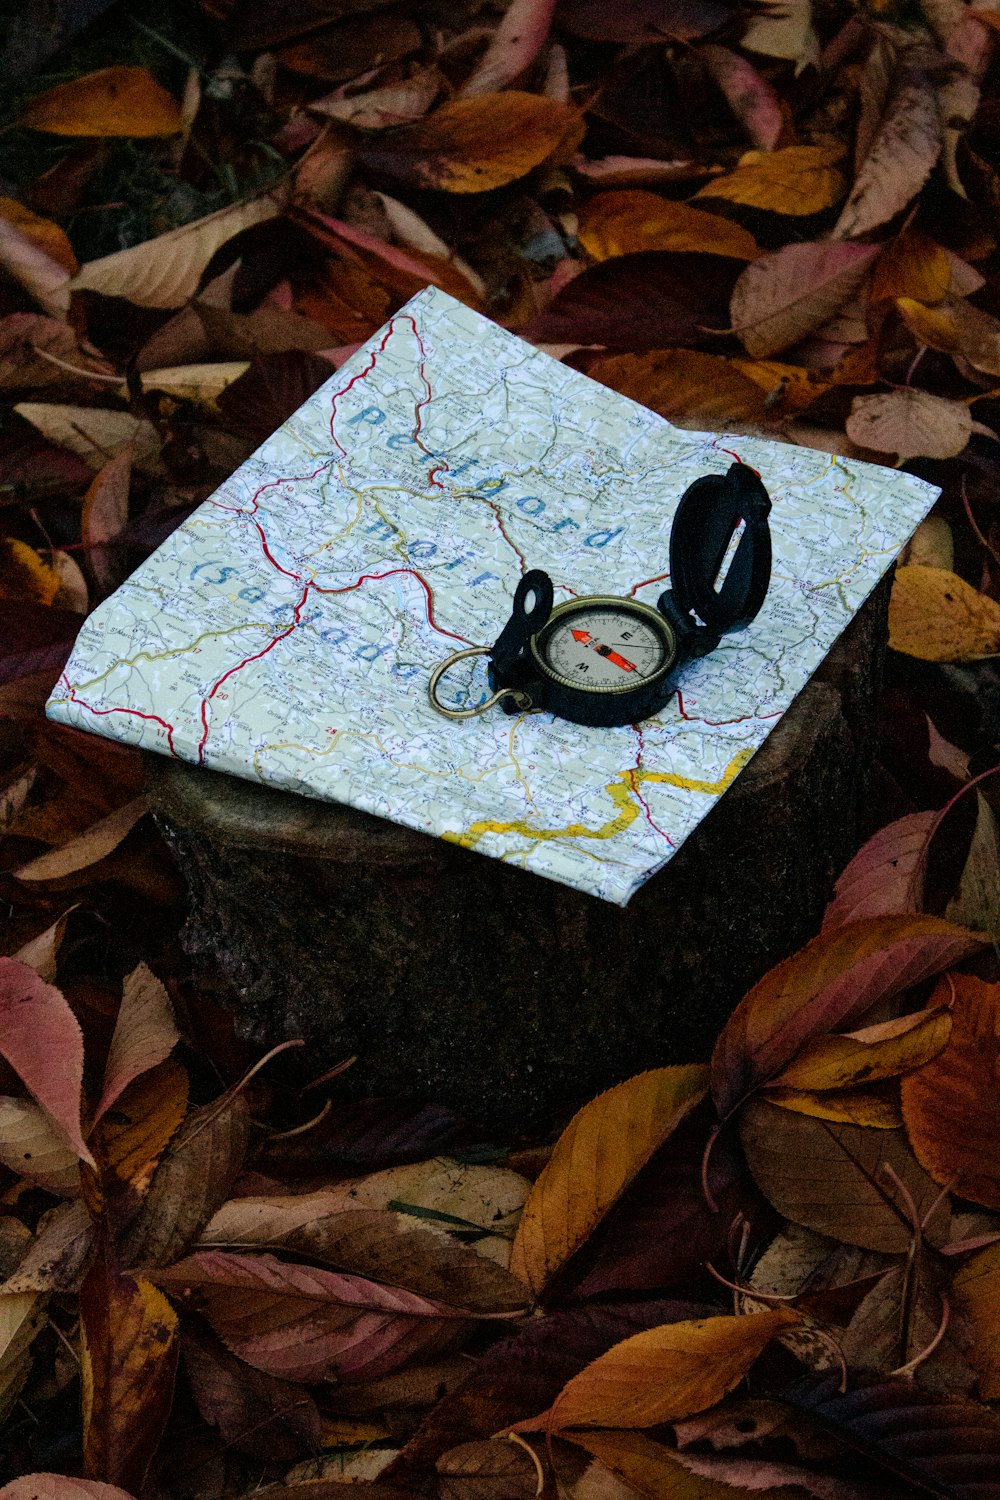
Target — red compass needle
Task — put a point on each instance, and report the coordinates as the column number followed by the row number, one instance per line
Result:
column 586, row 639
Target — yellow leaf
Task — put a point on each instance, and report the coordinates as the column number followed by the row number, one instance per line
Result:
column 977, row 1290
column 479, row 143
column 113, row 102
column 663, row 1374
column 795, row 180
column 954, row 326
column 869, row 1055
column 134, row 1134
column 930, row 325
column 937, row 616
column 595, row 1158
column 620, row 223
column 912, row 265
column 688, row 388
column 876, row 1109
column 42, row 233
column 789, row 388
column 202, row 383
column 24, row 575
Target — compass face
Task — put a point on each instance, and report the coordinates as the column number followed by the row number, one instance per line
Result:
column 605, row 646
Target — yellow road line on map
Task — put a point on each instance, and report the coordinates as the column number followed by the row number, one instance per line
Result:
column 130, row 661
column 620, row 793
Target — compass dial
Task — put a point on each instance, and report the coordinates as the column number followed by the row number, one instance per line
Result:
column 604, row 648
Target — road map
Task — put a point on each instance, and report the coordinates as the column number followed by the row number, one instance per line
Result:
column 286, row 631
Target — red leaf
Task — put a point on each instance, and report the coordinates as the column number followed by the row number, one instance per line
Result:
column 885, row 877
column 42, row 1041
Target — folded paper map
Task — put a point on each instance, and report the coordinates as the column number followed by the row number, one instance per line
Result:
column 286, row 631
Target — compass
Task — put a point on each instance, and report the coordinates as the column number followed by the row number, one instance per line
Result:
column 605, row 661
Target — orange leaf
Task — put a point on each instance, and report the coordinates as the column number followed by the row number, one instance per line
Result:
column 663, row 1374
column 479, row 143
column 951, row 1106
column 112, row 102
column 795, row 180
column 43, row 233
column 829, row 983
column 128, row 1349
column 130, row 1140
column 595, row 1159
column 622, row 222
column 936, row 616
column 912, row 265
column 688, row 388
column 25, row 575
column 955, row 327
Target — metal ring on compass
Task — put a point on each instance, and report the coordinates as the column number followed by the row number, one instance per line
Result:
column 521, row 700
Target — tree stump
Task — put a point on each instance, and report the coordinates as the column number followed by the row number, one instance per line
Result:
column 456, row 978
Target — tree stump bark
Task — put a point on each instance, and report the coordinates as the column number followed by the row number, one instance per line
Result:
column 456, row 978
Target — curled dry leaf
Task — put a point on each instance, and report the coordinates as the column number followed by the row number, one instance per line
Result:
column 60, row 1487
column 597, row 1156
column 202, row 383
column 41, row 953
column 831, row 1176
column 751, row 99
column 831, row 982
column 640, row 171
column 687, row 387
column 797, row 180
column 105, row 515
column 886, row 876
column 128, row 1360
column 952, row 1104
column 303, row 1323
column 663, row 1374
column 976, row 902
column 94, row 432
column 911, row 423
column 936, row 616
column 111, row 102
column 58, row 1255
column 95, row 844
column 791, row 292
column 166, row 272
column 475, row 144
column 623, row 222
column 518, row 40
column 32, row 1146
column 901, row 157
column 868, row 1056
column 977, row 1290
column 144, row 1034
column 41, row 1039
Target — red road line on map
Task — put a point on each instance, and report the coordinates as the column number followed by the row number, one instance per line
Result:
column 720, row 723
column 494, row 507
column 658, row 579
column 376, row 577
column 635, row 786
column 239, row 667
column 136, row 712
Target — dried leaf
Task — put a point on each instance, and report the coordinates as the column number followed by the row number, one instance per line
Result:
column 831, row 1177
column 43, row 233
column 641, row 21
column 874, row 1108
column 41, row 1039
column 144, row 1034
column 24, row 574
column 956, row 327
column 60, row 1487
column 595, row 1159
column 22, row 1317
column 518, row 40
column 751, row 99
column 783, row 28
column 910, row 423
column 32, row 1146
column 796, row 180
column 58, row 1254
column 952, row 1104
column 167, row 271
column 497, row 1470
column 128, row 1360
column 302, row 1323
column 976, row 903
column 202, row 383
column 255, row 1413
column 99, row 840
column 105, row 515
column 132, row 1136
column 870, row 1055
column 886, row 876
column 33, row 251
column 901, row 158
column 687, row 387
column 912, row 265
column 475, row 144
column 640, row 171
column 41, row 952
column 793, row 291
column 324, row 171
column 663, row 1374
column 830, row 983
column 936, row 616
column 93, row 432
column 112, row 102
column 977, row 1290
column 621, row 223
column 652, row 1471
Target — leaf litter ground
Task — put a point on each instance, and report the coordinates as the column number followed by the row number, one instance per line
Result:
column 774, row 1273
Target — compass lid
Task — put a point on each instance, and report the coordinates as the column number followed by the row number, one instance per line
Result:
column 711, row 512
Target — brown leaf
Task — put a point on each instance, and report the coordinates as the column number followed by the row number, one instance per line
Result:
column 59, row 1253
column 41, row 1039
column 912, row 265
column 751, row 99
column 393, row 1248
column 60, row 1487
column 901, row 157
column 621, row 223
column 831, row 1177
column 270, row 1419
column 105, row 514
column 22, row 1317
column 654, row 1472
column 33, row 251
column 952, row 1104
column 268, row 330
column 868, row 1056
column 144, row 1034
column 113, row 102
column 977, row 1290
column 302, row 1323
column 663, row 1374
column 94, row 432
column 597, row 1156
column 190, row 1182
column 936, row 616
column 687, row 387
column 166, row 271
column 497, row 1470
column 32, row 1146
column 99, row 840
column 796, row 180
column 128, row 1360
column 830, row 983
column 976, row 903
column 886, row 876
column 911, row 423
column 793, row 291
column 473, row 145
